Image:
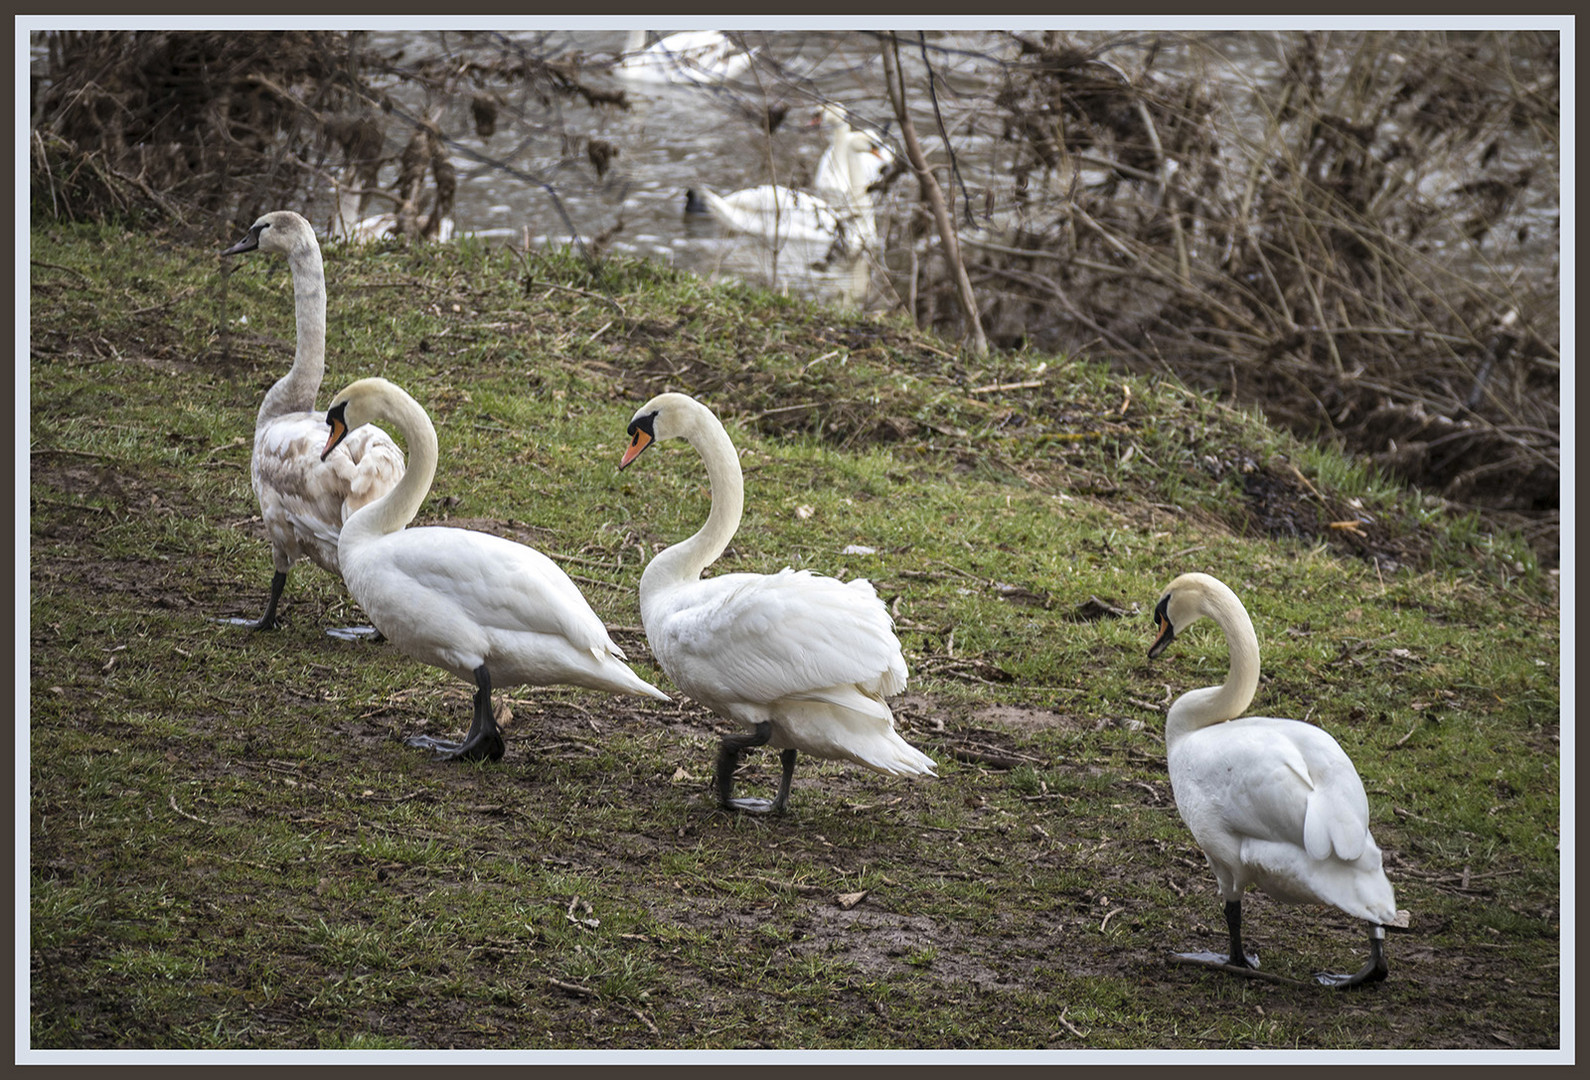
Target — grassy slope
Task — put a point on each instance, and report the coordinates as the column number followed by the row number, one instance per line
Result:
column 231, row 848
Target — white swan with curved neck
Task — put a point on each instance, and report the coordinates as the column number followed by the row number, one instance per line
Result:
column 304, row 499
column 1273, row 803
column 492, row 612
column 690, row 57
column 803, row 661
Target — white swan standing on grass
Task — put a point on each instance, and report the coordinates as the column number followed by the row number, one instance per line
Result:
column 1273, row 803
column 492, row 612
column 801, row 660
column 690, row 57
column 305, row 497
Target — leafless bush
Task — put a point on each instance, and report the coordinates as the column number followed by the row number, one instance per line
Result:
column 236, row 122
column 1356, row 256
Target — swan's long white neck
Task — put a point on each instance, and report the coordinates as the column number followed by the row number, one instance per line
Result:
column 399, row 506
column 1217, row 704
column 296, row 391
column 839, row 147
column 686, row 560
column 844, row 156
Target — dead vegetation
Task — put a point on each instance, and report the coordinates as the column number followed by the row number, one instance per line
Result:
column 191, row 126
column 1370, row 255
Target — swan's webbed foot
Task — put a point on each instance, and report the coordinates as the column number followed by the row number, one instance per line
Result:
column 753, row 806
column 354, row 633
column 475, row 747
column 1221, row 960
column 1373, row 971
column 252, row 624
column 1235, row 957
column 484, row 740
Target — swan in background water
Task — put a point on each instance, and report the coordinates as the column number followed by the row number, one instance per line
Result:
column 776, row 214
column 305, row 499
column 492, row 612
column 801, row 660
column 1273, row 803
column 378, row 226
column 691, row 57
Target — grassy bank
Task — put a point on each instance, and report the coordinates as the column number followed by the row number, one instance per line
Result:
column 231, row 847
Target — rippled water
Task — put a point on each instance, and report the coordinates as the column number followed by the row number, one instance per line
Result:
column 677, row 137
column 533, row 179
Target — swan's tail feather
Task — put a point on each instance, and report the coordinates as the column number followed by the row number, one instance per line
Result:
column 615, row 676
column 845, row 724
column 1287, row 873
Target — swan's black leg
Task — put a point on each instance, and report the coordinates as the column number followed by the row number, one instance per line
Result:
column 787, row 759
column 1234, row 924
column 484, row 740
column 1373, row 971
column 729, row 758
column 268, row 620
column 1237, row 957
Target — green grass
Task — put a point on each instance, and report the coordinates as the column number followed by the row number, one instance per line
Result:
column 231, row 847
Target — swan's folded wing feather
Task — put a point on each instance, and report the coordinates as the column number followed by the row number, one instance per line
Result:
column 1296, row 786
column 491, row 578
column 1250, row 779
column 762, row 637
column 303, row 500
column 373, row 466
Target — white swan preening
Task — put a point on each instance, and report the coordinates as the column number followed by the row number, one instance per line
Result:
column 690, row 57
column 803, row 661
column 775, row 214
column 490, row 611
column 305, row 497
column 1273, row 803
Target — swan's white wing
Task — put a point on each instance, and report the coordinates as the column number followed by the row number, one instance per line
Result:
column 503, row 585
column 304, row 500
column 775, row 200
column 757, row 638
column 690, row 56
column 696, row 42
column 372, row 466
column 457, row 598
column 1279, row 781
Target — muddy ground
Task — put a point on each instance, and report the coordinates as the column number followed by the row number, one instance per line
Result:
column 1081, row 880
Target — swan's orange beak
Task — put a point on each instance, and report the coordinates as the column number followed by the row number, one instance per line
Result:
column 1162, row 639
column 338, row 431
column 637, row 444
